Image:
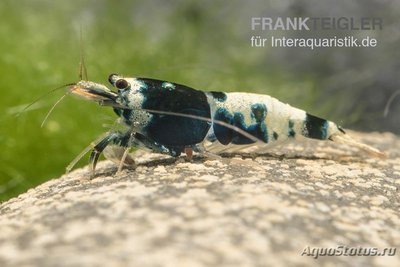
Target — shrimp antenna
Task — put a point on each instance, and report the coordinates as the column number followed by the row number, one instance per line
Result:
column 53, row 107
column 389, row 103
column 42, row 96
column 82, row 66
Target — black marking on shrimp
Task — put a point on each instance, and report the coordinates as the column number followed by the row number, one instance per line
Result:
column 223, row 134
column 291, row 132
column 219, row 96
column 126, row 114
column 172, row 130
column 238, row 121
column 315, row 127
column 258, row 129
column 259, row 112
column 275, row 135
column 118, row 111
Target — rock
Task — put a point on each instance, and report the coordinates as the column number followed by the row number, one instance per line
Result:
column 233, row 211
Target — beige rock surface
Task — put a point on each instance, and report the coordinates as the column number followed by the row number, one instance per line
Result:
column 234, row 211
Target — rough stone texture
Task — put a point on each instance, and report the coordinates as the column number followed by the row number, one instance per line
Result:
column 234, row 211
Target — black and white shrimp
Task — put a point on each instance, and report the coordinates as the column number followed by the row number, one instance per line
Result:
column 171, row 118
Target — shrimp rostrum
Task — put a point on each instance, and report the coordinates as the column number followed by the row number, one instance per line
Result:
column 171, row 118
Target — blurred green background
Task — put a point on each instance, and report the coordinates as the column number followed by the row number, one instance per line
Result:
column 203, row 44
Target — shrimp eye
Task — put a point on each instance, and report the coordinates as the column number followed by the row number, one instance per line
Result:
column 121, row 84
